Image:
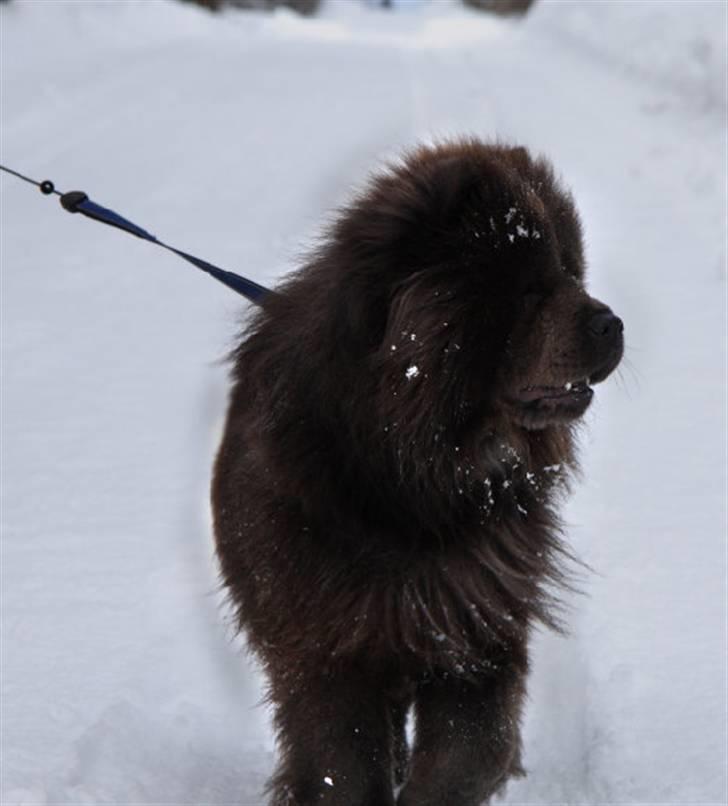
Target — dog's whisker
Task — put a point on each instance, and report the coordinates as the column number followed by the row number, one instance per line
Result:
column 627, row 365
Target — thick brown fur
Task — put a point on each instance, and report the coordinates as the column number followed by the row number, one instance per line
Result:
column 399, row 432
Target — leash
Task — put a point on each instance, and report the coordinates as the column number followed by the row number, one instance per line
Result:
column 76, row 201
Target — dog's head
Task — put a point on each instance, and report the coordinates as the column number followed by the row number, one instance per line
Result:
column 462, row 294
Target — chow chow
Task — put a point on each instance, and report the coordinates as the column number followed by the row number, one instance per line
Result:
column 400, row 429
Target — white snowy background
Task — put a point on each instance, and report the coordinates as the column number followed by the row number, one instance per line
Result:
column 233, row 136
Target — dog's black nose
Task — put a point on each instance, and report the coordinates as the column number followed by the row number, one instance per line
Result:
column 605, row 326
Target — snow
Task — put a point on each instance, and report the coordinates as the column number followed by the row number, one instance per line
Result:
column 233, row 136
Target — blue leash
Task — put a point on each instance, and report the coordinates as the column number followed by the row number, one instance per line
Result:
column 76, row 201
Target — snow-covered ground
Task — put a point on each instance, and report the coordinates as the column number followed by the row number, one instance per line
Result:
column 232, row 136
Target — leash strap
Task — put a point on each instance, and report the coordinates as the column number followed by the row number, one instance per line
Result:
column 76, row 201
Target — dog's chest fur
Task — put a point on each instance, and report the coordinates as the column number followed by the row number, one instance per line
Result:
column 454, row 606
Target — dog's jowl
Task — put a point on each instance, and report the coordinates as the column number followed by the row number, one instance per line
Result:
column 401, row 425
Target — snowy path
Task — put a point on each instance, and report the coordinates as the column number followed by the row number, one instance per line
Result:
column 232, row 137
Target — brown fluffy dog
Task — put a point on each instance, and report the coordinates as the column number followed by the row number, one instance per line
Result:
column 400, row 426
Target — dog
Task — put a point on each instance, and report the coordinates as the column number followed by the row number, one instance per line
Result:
column 401, row 427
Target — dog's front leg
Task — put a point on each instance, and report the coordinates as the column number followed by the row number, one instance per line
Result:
column 467, row 741
column 335, row 741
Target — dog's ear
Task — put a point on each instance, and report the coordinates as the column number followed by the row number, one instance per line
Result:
column 444, row 189
column 397, row 227
column 435, row 202
column 404, row 219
